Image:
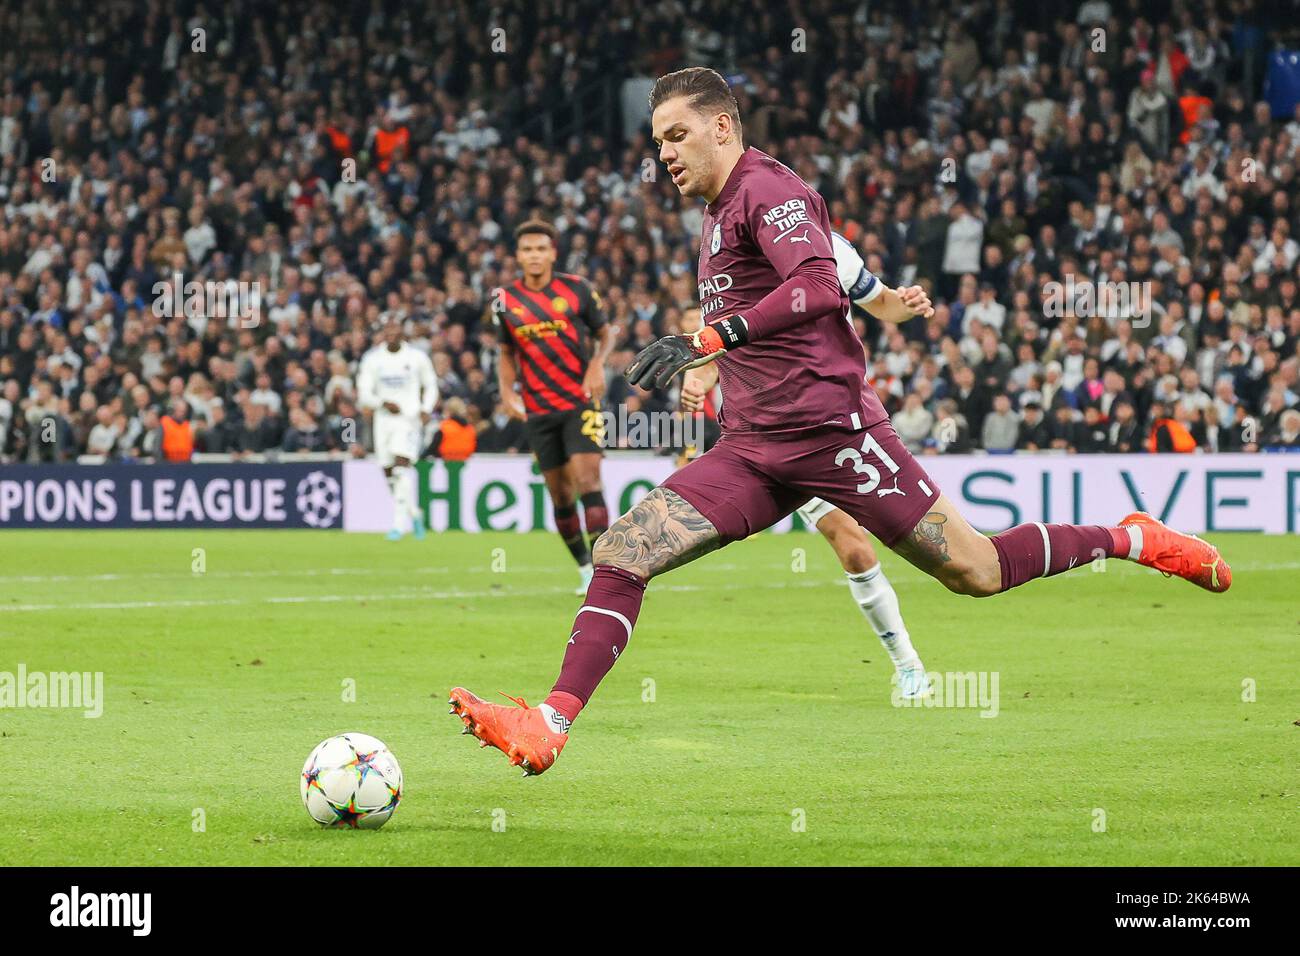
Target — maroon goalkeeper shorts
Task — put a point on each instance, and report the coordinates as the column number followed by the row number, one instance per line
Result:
column 749, row 481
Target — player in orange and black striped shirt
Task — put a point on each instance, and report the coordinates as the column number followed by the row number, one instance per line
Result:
column 554, row 342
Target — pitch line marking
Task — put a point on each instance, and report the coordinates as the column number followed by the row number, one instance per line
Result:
column 411, row 594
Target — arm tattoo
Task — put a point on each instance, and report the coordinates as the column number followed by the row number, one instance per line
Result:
column 661, row 533
column 926, row 547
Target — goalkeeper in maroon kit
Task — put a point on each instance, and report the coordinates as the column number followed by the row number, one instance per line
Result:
column 799, row 422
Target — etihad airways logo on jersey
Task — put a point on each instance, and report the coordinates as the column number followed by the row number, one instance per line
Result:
column 786, row 218
column 714, row 285
column 711, row 289
column 546, row 329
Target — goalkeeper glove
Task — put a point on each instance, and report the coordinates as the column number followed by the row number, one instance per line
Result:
column 657, row 364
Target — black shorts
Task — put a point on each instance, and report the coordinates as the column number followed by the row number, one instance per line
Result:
column 557, row 437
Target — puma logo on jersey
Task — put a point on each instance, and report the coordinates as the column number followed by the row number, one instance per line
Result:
column 892, row 491
column 574, row 634
column 803, row 238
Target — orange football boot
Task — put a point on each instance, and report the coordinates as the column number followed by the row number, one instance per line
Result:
column 1183, row 555
column 521, row 733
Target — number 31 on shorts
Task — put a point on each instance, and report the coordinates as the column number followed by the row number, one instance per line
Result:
column 864, row 467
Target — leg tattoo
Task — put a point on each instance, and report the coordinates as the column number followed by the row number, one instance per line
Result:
column 926, row 547
column 661, row 533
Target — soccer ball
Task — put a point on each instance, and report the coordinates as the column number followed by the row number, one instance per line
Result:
column 351, row 780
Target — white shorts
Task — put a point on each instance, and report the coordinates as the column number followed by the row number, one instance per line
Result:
column 814, row 511
column 397, row 437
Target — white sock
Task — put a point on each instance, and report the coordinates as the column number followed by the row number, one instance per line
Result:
column 412, row 500
column 875, row 596
column 554, row 719
column 397, row 484
column 1135, row 541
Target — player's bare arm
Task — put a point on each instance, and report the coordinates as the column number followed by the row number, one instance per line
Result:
column 594, row 380
column 699, row 381
column 696, row 385
column 901, row 304
column 507, row 374
column 663, row 532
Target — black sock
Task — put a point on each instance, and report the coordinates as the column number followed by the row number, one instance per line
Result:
column 570, row 529
column 595, row 515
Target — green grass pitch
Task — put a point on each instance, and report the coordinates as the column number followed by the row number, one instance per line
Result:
column 1121, row 736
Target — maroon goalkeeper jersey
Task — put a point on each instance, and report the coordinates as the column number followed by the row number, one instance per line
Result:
column 756, row 233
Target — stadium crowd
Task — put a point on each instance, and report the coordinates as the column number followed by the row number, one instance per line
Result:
column 348, row 162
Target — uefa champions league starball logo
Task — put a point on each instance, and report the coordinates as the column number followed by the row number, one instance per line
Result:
column 320, row 500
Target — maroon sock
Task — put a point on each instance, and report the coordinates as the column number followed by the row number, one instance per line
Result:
column 1037, row 550
column 570, row 529
column 600, row 633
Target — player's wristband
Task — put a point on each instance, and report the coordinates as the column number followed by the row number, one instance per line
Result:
column 732, row 332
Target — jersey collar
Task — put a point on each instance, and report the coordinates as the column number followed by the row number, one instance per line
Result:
column 733, row 180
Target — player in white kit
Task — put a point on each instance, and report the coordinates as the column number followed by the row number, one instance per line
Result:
column 870, row 588
column 396, row 383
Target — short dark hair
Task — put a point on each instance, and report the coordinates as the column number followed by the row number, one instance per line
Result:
column 705, row 89
column 537, row 227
